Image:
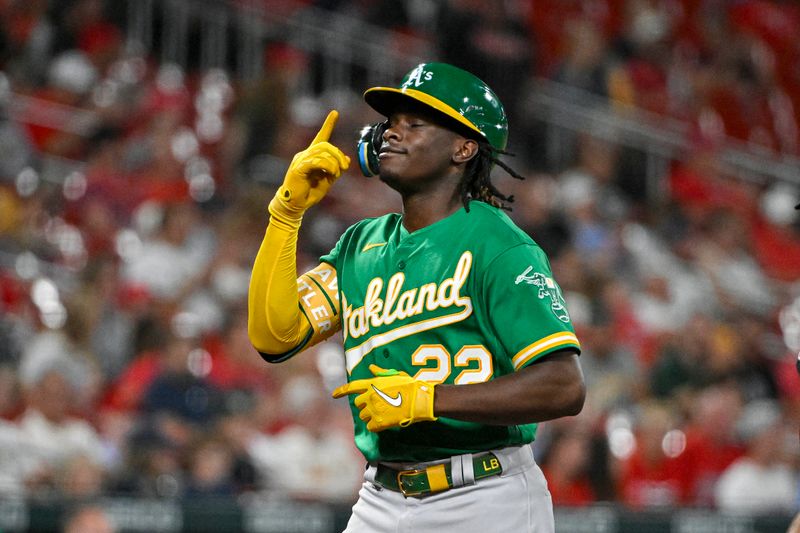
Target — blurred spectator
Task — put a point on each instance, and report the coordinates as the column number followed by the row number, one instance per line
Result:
column 584, row 64
column 613, row 299
column 651, row 476
column 237, row 425
column 491, row 42
column 644, row 51
column 167, row 377
column 763, row 480
column 108, row 198
column 210, row 470
column 566, row 466
column 81, row 479
column 10, row 399
column 659, row 305
column 680, row 367
column 173, row 261
column 669, row 287
column 235, row 365
column 592, row 236
column 151, row 342
column 612, row 372
column 26, row 34
column 711, row 444
column 776, row 233
column 751, row 344
column 725, row 253
column 16, row 152
column 550, row 18
column 314, row 456
column 84, row 26
column 180, row 387
column 70, row 79
column 68, row 349
column 52, row 436
column 114, row 308
column 786, row 364
column 88, row 519
column 154, row 459
column 242, row 427
column 541, row 219
column 728, row 355
column 260, row 113
column 700, row 185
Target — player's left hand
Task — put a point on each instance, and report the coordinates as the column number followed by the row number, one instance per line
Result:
column 390, row 399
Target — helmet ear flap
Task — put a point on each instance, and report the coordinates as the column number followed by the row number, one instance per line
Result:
column 369, row 145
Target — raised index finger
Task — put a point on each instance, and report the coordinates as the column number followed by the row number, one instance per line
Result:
column 324, row 133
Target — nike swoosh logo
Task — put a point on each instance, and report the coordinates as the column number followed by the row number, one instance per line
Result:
column 394, row 402
column 371, row 245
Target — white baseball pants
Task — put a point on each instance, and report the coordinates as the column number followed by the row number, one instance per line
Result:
column 515, row 501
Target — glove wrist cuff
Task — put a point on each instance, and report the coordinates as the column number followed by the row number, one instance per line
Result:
column 423, row 402
column 283, row 211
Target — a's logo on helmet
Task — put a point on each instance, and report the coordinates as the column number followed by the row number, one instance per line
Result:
column 417, row 77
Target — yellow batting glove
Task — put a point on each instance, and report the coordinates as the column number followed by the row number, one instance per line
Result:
column 390, row 399
column 310, row 174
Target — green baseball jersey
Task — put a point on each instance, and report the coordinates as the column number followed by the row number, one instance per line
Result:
column 465, row 300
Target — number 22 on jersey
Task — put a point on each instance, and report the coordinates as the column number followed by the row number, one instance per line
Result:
column 441, row 369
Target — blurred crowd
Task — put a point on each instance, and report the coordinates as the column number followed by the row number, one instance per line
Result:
column 133, row 200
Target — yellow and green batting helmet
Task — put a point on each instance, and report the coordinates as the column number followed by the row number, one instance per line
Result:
column 452, row 91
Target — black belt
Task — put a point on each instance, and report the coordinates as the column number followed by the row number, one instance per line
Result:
column 435, row 478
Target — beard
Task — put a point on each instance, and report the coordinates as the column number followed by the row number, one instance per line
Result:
column 391, row 179
column 408, row 185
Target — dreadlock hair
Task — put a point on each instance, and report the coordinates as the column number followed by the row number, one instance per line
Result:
column 476, row 183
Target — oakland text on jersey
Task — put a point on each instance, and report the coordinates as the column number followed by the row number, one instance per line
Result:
column 395, row 304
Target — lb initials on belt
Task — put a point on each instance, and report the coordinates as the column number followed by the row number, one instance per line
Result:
column 435, row 478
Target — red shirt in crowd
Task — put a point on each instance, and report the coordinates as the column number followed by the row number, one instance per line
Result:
column 646, row 483
column 575, row 492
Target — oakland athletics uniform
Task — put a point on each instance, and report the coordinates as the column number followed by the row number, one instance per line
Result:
column 446, row 304
column 465, row 300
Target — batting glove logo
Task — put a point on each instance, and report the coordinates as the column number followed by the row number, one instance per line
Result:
column 393, row 401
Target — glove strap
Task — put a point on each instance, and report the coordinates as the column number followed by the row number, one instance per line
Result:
column 283, row 213
column 422, row 406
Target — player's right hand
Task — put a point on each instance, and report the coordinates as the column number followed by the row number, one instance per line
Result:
column 311, row 172
column 390, row 399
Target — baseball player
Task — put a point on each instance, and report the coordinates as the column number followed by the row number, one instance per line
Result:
column 457, row 340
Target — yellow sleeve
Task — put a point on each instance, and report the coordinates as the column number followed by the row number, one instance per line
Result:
column 287, row 314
